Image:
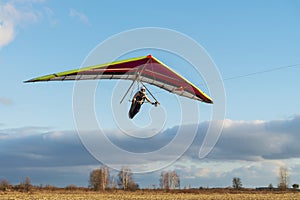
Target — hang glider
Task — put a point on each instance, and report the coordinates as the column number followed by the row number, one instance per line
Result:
column 146, row 69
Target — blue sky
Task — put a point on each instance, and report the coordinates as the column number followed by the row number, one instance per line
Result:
column 39, row 37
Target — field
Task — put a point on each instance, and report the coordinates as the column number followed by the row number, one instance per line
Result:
column 80, row 195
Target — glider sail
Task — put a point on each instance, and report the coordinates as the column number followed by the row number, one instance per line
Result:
column 146, row 69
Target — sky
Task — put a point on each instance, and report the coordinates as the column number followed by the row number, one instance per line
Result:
column 254, row 46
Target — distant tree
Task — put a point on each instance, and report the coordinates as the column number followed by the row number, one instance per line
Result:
column 169, row 180
column 125, row 179
column 295, row 186
column 283, row 178
column 270, row 186
column 50, row 187
column 132, row 186
column 154, row 186
column 4, row 185
column 40, row 186
column 94, row 181
column 164, row 181
column 71, row 187
column 100, row 178
column 105, row 177
column 26, row 185
column 237, row 183
column 175, row 180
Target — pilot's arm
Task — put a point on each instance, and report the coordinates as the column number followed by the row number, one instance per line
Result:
column 147, row 98
column 153, row 103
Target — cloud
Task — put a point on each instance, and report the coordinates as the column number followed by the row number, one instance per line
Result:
column 8, row 17
column 16, row 14
column 50, row 148
column 240, row 140
column 79, row 15
column 251, row 150
column 50, row 15
column 255, row 140
column 48, row 157
column 6, row 101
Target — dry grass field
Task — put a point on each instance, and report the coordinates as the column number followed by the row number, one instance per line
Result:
column 80, row 195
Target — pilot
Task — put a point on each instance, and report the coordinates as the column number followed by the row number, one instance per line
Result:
column 140, row 97
column 137, row 102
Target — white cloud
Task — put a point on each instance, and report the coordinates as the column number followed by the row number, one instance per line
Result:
column 275, row 139
column 50, row 16
column 8, row 17
column 80, row 16
column 15, row 14
column 203, row 172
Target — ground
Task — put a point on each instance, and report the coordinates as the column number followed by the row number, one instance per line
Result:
column 89, row 195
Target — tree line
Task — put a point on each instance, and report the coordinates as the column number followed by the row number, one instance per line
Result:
column 102, row 179
column 283, row 181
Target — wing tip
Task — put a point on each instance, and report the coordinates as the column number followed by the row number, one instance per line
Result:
column 28, row 81
column 210, row 101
